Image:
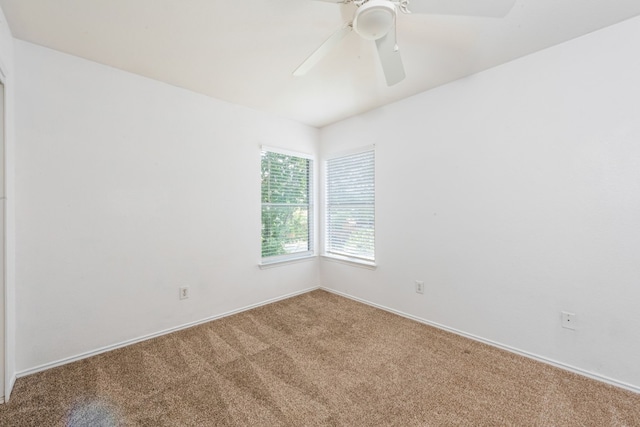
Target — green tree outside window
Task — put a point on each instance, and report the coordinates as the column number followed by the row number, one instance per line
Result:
column 286, row 189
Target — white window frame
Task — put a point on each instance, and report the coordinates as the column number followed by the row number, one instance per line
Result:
column 270, row 261
column 353, row 260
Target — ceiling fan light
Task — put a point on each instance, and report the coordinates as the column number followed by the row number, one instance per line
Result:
column 374, row 19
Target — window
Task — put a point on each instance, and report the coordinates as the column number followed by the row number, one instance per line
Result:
column 350, row 206
column 286, row 205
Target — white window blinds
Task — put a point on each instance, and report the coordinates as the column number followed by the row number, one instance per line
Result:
column 350, row 206
column 286, row 204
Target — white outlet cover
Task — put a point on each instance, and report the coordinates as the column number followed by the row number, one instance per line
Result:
column 184, row 292
column 419, row 286
column 568, row 320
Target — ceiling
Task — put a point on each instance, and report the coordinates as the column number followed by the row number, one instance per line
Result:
column 245, row 51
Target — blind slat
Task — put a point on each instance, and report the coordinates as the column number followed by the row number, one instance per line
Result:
column 351, row 206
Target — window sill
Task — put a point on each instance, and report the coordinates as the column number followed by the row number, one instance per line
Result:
column 370, row 265
column 280, row 262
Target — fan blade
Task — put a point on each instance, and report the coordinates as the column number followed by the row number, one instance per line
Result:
column 390, row 58
column 324, row 48
column 489, row 8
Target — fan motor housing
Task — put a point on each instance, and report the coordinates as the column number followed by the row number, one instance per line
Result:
column 374, row 19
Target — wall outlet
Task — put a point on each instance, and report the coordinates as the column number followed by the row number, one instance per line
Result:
column 419, row 287
column 568, row 320
column 184, row 292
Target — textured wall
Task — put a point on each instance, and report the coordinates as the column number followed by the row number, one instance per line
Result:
column 127, row 189
column 514, row 195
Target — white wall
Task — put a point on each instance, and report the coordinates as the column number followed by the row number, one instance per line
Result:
column 6, row 66
column 127, row 189
column 514, row 194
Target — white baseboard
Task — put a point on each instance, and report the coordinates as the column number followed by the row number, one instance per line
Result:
column 84, row 355
column 542, row 359
column 533, row 356
column 9, row 388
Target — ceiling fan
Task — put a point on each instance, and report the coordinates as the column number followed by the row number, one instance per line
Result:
column 376, row 20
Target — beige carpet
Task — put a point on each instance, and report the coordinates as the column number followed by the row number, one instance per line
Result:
column 314, row 360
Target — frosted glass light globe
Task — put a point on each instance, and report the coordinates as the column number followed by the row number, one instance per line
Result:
column 374, row 19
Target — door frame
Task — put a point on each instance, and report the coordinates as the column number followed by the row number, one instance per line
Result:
column 4, row 344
